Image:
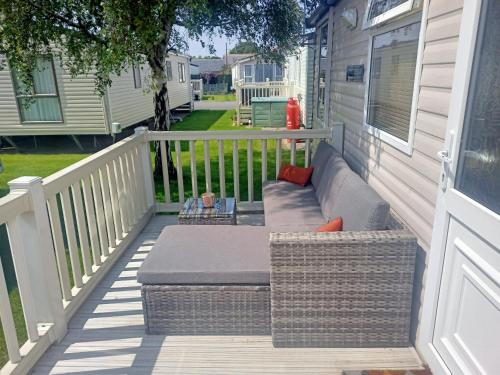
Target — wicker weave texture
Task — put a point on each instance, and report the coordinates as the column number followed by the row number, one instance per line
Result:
column 207, row 310
column 342, row 289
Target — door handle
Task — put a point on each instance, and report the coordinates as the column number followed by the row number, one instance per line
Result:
column 444, row 155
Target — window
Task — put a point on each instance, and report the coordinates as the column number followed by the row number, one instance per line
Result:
column 182, row 72
column 137, row 76
column 42, row 105
column 278, row 76
column 169, row 70
column 263, row 72
column 379, row 11
column 391, row 82
column 479, row 157
column 247, row 73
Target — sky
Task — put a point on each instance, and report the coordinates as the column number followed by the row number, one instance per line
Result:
column 196, row 49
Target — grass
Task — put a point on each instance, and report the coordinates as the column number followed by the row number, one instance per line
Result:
column 16, row 165
column 222, row 120
column 220, row 98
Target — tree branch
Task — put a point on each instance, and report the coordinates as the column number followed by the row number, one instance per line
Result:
column 80, row 27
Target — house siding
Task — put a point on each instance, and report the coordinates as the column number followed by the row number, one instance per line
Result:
column 130, row 105
column 82, row 108
column 409, row 183
column 299, row 70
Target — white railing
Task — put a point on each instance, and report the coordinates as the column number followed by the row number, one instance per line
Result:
column 246, row 91
column 197, row 85
column 66, row 231
column 221, row 169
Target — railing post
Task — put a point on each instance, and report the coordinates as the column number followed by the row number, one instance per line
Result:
column 147, row 167
column 34, row 242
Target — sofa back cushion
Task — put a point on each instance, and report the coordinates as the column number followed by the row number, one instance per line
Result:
column 335, row 171
column 359, row 205
column 323, row 153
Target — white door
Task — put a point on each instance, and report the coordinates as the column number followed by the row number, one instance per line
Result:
column 464, row 337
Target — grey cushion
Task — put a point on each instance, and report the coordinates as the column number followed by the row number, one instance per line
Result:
column 324, row 151
column 335, row 172
column 287, row 204
column 360, row 207
column 205, row 254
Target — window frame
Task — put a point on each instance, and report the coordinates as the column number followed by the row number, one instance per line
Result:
column 398, row 143
column 136, row 73
column 327, row 24
column 281, row 76
column 399, row 10
column 182, row 72
column 251, row 76
column 55, row 95
column 168, row 70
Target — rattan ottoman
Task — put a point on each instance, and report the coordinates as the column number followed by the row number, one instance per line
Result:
column 206, row 280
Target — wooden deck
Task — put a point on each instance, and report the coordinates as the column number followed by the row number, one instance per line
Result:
column 106, row 336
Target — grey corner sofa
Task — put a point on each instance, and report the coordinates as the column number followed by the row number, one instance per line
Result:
column 339, row 289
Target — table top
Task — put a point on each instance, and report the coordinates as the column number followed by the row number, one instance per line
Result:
column 223, row 207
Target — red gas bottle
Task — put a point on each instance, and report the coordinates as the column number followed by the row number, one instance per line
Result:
column 293, row 114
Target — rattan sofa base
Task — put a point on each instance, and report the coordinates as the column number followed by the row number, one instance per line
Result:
column 207, row 309
column 342, row 289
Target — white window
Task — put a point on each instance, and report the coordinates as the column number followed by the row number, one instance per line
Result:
column 182, row 72
column 42, row 104
column 169, row 70
column 137, row 76
column 379, row 11
column 389, row 105
column 247, row 73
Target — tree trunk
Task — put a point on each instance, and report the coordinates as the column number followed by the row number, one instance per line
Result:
column 162, row 117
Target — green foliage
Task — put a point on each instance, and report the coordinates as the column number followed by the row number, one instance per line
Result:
column 244, row 47
column 107, row 36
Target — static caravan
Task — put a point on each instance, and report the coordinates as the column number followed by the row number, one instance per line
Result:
column 417, row 86
column 66, row 106
column 252, row 70
column 299, row 70
column 293, row 78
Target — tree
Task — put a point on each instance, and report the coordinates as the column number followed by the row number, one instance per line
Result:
column 244, row 47
column 108, row 36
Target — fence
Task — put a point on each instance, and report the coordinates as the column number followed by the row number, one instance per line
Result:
column 215, row 88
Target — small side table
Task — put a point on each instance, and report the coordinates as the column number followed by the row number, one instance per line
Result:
column 223, row 212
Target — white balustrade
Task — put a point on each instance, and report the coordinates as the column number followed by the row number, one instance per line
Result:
column 65, row 232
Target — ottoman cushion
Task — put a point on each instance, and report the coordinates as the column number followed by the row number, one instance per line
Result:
column 200, row 254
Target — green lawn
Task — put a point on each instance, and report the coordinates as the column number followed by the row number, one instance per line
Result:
column 222, row 120
column 220, row 98
column 16, row 165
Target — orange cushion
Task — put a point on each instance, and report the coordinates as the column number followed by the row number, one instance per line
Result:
column 295, row 175
column 333, row 226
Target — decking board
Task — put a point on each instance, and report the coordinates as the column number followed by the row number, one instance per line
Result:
column 106, row 336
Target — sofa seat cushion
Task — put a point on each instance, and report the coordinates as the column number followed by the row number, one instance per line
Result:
column 286, row 204
column 359, row 205
column 205, row 254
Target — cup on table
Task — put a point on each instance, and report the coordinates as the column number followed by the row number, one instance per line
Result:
column 208, row 199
